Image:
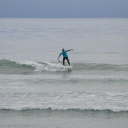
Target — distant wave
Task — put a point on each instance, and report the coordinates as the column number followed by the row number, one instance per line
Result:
column 70, row 109
column 30, row 67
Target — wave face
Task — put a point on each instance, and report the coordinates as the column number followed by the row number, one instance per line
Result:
column 103, row 101
column 30, row 67
column 13, row 67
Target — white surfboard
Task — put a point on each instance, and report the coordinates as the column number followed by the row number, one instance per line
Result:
column 59, row 65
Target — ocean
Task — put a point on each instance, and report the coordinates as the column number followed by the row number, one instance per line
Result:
column 35, row 94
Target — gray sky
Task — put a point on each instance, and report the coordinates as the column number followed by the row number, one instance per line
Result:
column 64, row 8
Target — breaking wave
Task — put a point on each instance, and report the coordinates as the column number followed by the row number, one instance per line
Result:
column 83, row 101
column 30, row 67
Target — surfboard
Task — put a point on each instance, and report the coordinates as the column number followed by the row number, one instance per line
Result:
column 59, row 65
column 67, row 67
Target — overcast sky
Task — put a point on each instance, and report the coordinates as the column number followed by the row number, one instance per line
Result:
column 64, row 8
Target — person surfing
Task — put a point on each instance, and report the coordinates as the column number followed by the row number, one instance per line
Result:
column 65, row 56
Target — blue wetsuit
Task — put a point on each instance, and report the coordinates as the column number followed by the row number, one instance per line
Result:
column 65, row 56
column 64, row 53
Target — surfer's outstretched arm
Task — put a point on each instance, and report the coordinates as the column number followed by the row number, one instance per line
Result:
column 59, row 57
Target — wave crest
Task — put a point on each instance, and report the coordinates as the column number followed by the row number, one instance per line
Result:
column 66, row 109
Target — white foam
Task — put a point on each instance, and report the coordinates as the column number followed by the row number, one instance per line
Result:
column 64, row 101
column 46, row 66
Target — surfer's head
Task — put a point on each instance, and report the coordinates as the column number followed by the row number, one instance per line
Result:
column 63, row 50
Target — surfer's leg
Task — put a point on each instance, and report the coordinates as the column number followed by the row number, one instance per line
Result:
column 68, row 60
column 63, row 61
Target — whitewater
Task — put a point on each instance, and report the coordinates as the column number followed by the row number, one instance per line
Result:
column 36, row 92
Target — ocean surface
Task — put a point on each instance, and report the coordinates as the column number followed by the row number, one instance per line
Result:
column 35, row 94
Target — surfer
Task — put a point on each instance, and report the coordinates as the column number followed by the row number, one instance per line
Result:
column 65, row 56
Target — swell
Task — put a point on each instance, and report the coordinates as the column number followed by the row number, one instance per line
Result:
column 30, row 67
column 95, row 66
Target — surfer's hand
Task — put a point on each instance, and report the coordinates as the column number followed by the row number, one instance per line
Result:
column 70, row 50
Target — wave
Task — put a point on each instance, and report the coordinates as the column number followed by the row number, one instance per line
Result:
column 26, row 67
column 96, row 66
column 13, row 67
column 30, row 67
column 63, row 109
column 82, row 101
